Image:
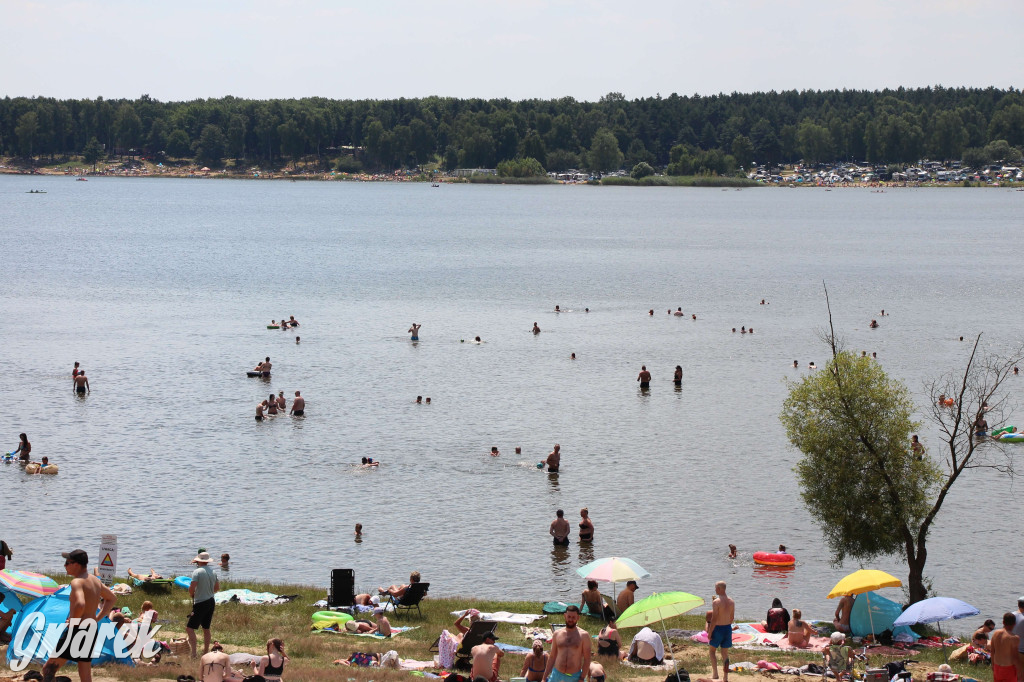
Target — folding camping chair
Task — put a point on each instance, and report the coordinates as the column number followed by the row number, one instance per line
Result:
column 411, row 599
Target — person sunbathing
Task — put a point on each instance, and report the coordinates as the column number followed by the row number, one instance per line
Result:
column 398, row 591
column 360, row 659
column 153, row 575
column 799, row 632
column 215, row 666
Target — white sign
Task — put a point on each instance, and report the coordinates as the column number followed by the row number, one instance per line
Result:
column 107, row 561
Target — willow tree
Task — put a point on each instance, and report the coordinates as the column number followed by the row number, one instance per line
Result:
column 870, row 493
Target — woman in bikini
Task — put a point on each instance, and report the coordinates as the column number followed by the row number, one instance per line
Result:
column 608, row 641
column 586, row 526
column 595, row 602
column 800, row 631
column 272, row 665
column 535, row 663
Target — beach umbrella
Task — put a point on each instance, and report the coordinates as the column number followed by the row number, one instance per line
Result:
column 658, row 607
column 864, row 580
column 934, row 610
column 613, row 570
column 9, row 600
column 28, row 583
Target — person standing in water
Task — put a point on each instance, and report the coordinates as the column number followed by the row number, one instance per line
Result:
column 81, row 383
column 677, row 378
column 559, row 529
column 554, row 459
column 298, row 405
column 586, row 526
column 644, row 378
column 415, row 331
column 24, row 448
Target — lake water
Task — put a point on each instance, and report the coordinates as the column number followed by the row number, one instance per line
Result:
column 162, row 289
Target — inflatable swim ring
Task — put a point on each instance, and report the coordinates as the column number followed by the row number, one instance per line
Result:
column 183, row 581
column 331, row 617
column 774, row 559
column 273, row 326
column 1006, row 429
column 948, row 402
column 252, row 373
column 1012, row 437
column 34, row 468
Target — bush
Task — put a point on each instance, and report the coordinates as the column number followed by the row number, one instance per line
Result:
column 641, row 170
column 348, row 164
column 521, row 168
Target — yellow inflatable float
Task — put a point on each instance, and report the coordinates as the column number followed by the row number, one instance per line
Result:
column 35, row 468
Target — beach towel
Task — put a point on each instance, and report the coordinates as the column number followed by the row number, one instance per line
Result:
column 248, row 597
column 244, row 658
column 512, row 648
column 411, row 664
column 394, row 632
column 561, row 606
column 814, row 644
column 531, row 633
column 505, row 617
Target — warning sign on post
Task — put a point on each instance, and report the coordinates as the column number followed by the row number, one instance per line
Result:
column 107, row 558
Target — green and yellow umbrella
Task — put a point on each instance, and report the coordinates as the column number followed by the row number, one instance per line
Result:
column 658, row 606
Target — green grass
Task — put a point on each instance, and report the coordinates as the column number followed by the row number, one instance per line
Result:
column 247, row 628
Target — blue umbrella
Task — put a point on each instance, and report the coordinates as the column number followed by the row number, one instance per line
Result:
column 9, row 602
column 934, row 610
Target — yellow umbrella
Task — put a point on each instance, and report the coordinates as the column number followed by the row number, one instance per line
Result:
column 861, row 581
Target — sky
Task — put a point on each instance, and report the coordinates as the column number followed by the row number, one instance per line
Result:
column 516, row 49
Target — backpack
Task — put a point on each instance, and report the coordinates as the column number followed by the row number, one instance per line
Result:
column 683, row 676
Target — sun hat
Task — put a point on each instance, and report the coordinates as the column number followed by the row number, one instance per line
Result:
column 351, row 625
column 202, row 558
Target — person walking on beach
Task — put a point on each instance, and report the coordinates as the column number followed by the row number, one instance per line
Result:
column 644, row 378
column 554, row 459
column 204, row 584
column 559, row 529
column 298, row 405
column 1004, row 647
column 91, row 601
column 415, row 331
column 81, row 383
column 720, row 630
column 569, row 660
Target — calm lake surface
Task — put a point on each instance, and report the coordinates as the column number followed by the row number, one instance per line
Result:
column 162, row 289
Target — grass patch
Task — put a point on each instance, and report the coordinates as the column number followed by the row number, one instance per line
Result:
column 247, row 628
column 679, row 181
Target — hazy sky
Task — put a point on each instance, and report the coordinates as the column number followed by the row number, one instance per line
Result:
column 185, row 49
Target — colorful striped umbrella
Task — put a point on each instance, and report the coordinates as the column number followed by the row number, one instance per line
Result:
column 28, row 583
column 613, row 570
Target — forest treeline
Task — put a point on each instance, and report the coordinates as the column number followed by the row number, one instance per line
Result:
column 714, row 134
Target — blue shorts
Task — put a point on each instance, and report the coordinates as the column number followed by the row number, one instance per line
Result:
column 721, row 637
column 558, row 676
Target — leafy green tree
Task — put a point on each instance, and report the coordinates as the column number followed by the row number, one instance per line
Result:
column 765, row 141
column 561, row 160
column 28, row 126
column 156, row 140
column 507, row 142
column 348, row 164
column 863, row 485
column 680, row 160
column 451, row 157
column 1000, row 150
column 478, row 150
column 708, row 136
column 236, row 135
column 293, row 143
column 532, row 146
column 975, row 157
column 127, row 128
column 178, row 144
column 815, row 142
column 637, row 153
column 949, row 135
column 1008, row 124
column 423, row 141
column 641, row 170
column 93, row 152
column 604, row 152
column 520, row 168
column 743, row 150
column 211, row 146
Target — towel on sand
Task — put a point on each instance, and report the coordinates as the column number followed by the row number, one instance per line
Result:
column 815, row 644
column 394, row 632
column 505, row 617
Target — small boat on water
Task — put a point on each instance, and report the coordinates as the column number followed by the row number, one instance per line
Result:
column 81, row 179
column 435, row 184
column 36, row 191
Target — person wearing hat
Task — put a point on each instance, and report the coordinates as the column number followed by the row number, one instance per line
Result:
column 486, row 659
column 204, row 585
column 91, row 601
column 383, row 626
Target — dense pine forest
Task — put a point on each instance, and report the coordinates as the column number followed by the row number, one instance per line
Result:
column 684, row 135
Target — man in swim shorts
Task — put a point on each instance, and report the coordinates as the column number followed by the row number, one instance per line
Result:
column 91, row 601
column 486, row 659
column 81, row 383
column 569, row 660
column 415, row 331
column 644, row 378
column 559, row 529
column 1004, row 647
column 298, row 405
column 265, row 367
column 720, row 630
column 554, row 459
